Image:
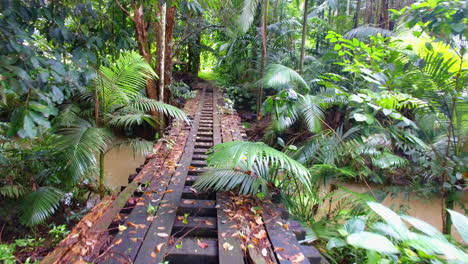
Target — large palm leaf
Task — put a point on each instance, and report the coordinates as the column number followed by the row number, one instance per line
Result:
column 39, row 205
column 81, row 143
column 123, row 80
column 249, row 157
column 278, row 77
column 247, row 16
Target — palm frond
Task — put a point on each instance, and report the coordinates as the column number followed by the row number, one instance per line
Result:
column 139, row 146
column 39, row 205
column 124, row 79
column 388, row 160
column 81, row 142
column 278, row 76
column 131, row 119
column 147, row 105
column 230, row 155
column 311, row 112
column 228, row 179
column 248, row 14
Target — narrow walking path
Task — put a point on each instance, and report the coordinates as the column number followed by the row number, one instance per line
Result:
column 159, row 217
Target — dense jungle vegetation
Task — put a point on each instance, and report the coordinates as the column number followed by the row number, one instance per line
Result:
column 372, row 92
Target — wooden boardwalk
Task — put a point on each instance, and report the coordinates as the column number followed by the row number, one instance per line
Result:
column 159, row 217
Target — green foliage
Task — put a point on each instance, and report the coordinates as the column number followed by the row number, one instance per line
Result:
column 393, row 241
column 43, row 64
column 250, row 166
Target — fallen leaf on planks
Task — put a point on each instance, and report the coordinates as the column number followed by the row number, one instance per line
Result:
column 201, row 244
column 228, row 246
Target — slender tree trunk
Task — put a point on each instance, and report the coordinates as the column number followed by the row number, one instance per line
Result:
column 264, row 55
column 384, row 19
column 162, row 50
column 304, row 35
column 348, row 7
column 102, row 188
column 170, row 23
column 161, row 46
column 356, row 14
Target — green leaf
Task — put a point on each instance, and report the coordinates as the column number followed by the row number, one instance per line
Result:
column 461, row 224
column 371, row 241
column 39, row 205
column 335, row 243
column 424, row 227
column 391, row 218
column 359, row 117
column 458, row 27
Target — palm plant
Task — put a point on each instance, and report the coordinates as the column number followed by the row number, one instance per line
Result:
column 251, row 167
column 117, row 102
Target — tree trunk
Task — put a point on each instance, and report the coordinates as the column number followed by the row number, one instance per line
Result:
column 304, row 35
column 142, row 40
column 170, row 23
column 348, row 7
column 162, row 50
column 264, row 55
column 102, row 188
column 384, row 19
column 161, row 54
column 356, row 14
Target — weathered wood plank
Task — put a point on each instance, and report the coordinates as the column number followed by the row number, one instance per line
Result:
column 284, row 242
column 154, row 247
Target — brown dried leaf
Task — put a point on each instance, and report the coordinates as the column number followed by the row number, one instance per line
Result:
column 118, row 241
column 158, row 247
column 278, row 249
column 130, row 224
column 261, row 234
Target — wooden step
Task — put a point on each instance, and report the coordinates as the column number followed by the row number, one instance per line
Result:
column 203, row 144
column 312, row 254
column 204, row 139
column 192, row 193
column 198, row 163
column 191, row 179
column 197, row 207
column 191, row 252
column 198, row 226
column 297, row 229
column 199, row 156
column 205, row 133
column 200, row 150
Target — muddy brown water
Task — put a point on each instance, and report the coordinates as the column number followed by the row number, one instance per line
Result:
column 120, row 163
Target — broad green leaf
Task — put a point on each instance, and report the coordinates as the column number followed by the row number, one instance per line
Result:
column 371, row 241
column 424, row 227
column 391, row 218
column 461, row 224
column 335, row 243
column 359, row 117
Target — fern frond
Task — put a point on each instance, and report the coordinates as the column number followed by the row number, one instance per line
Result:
column 37, row 206
column 278, row 77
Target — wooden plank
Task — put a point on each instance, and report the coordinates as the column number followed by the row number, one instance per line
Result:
column 191, row 252
column 128, row 242
column 284, row 242
column 154, row 247
column 230, row 250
